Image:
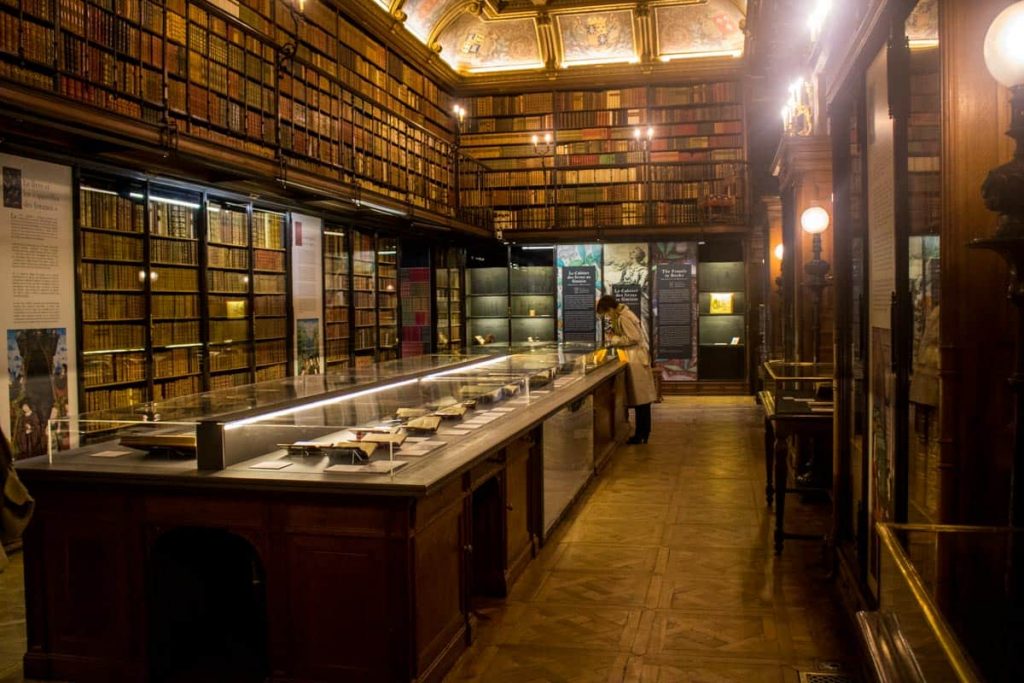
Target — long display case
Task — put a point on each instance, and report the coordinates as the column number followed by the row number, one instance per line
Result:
column 268, row 498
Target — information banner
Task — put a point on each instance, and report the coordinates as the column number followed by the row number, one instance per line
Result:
column 37, row 312
column 578, row 284
column 307, row 293
column 578, row 255
column 675, row 311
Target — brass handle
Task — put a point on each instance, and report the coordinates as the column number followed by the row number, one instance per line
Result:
column 468, row 549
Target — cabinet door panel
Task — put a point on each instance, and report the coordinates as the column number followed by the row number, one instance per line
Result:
column 439, row 612
column 85, row 570
column 340, row 608
column 517, row 503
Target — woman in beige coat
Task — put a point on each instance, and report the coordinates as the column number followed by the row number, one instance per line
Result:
column 627, row 334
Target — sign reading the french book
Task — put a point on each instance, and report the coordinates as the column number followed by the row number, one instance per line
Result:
column 629, row 295
column 579, row 324
column 37, row 313
column 675, row 311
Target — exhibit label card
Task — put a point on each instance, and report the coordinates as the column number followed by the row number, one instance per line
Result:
column 37, row 312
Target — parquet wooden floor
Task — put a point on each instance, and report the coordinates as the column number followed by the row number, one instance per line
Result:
column 664, row 572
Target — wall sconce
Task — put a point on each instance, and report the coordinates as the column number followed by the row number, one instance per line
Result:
column 460, row 115
column 816, row 19
column 1003, row 191
column 814, row 221
column 642, row 139
column 779, row 252
column 797, row 115
column 543, row 148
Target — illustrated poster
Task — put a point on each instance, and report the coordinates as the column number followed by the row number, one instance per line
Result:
column 37, row 269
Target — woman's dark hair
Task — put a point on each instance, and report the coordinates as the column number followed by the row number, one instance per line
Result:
column 607, row 303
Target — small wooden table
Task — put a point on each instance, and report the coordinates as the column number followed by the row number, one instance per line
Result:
column 785, row 417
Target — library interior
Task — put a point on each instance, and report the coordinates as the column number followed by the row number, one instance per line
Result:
column 512, row 340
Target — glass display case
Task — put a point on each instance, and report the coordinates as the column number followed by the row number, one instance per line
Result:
column 795, row 387
column 941, row 618
column 374, row 420
column 722, row 305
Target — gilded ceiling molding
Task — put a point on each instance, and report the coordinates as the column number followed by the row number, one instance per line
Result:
column 548, row 49
column 397, row 12
column 644, row 32
column 450, row 15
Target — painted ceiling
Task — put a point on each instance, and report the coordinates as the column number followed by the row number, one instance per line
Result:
column 486, row 36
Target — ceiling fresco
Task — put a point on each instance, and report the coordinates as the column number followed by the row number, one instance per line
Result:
column 480, row 36
column 597, row 37
column 469, row 44
column 923, row 23
column 423, row 15
column 713, row 27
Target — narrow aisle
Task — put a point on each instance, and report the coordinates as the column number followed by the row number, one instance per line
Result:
column 665, row 572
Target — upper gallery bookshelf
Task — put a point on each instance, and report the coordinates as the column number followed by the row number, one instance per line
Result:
column 343, row 106
column 596, row 172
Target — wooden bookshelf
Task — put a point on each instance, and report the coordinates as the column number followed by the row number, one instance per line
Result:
column 113, row 293
column 270, row 294
column 414, row 283
column 388, row 307
column 337, row 297
column 596, row 173
column 229, row 294
column 448, row 264
column 343, row 106
column 364, row 298
column 176, row 299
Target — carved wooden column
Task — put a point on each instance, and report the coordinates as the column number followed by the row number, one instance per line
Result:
column 804, row 167
column 976, row 351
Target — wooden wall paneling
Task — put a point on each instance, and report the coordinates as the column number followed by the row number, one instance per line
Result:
column 805, row 175
column 842, row 252
column 773, row 214
column 976, row 345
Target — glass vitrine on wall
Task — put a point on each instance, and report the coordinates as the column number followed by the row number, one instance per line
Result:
column 721, row 285
column 487, row 298
column 532, row 294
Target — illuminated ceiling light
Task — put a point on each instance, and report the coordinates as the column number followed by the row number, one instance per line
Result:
column 98, row 190
column 814, row 220
column 503, row 67
column 621, row 59
column 816, row 19
column 702, row 55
